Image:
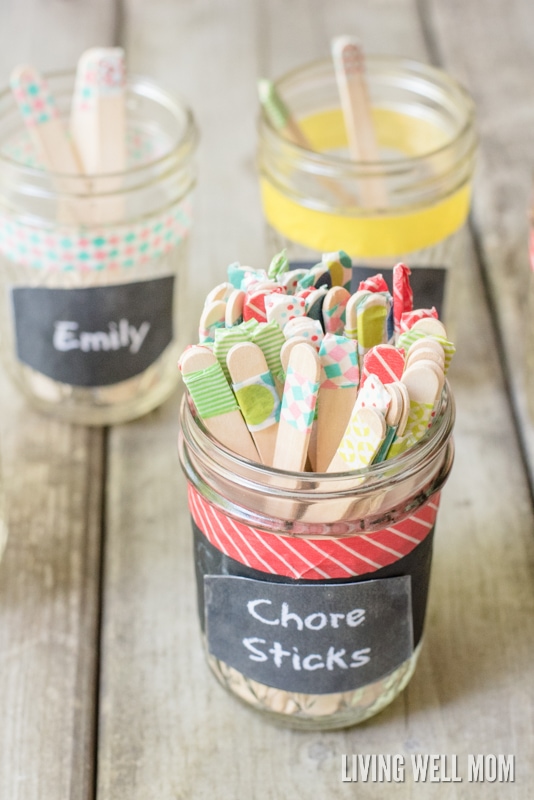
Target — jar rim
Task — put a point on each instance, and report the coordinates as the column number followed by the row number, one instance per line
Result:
column 301, row 484
column 146, row 87
column 409, row 66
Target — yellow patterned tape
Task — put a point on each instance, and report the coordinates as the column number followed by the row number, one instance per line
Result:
column 360, row 236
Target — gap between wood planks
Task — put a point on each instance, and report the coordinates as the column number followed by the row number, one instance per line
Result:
column 436, row 57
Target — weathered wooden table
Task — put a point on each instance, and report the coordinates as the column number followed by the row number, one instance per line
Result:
column 103, row 688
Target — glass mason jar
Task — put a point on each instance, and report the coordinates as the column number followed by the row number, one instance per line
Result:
column 320, row 201
column 312, row 588
column 93, row 270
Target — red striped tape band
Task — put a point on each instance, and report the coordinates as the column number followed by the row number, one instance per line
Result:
column 311, row 559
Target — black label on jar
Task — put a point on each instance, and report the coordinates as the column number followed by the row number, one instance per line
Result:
column 428, row 283
column 314, row 639
column 95, row 336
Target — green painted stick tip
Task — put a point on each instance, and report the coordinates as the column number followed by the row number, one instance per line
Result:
column 272, row 103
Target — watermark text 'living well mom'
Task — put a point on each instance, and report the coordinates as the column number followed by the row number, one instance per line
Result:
column 427, row 768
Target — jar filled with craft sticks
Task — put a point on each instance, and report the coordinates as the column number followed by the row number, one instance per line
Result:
column 96, row 173
column 374, row 155
column 316, row 435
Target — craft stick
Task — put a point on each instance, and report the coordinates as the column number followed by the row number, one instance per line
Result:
column 393, row 417
column 220, row 292
column 351, row 318
column 271, row 339
column 336, row 398
column 98, row 128
column 426, row 353
column 298, row 408
column 402, row 294
column 314, row 303
column 406, row 341
column 333, row 310
column 48, row 136
column 281, row 308
column 373, row 394
column 256, row 395
column 283, row 121
column 212, row 317
column 430, row 326
column 98, row 120
column 225, row 339
column 405, row 410
column 349, row 67
column 409, row 318
column 424, row 389
column 287, row 349
column 234, row 308
column 278, row 266
column 384, row 361
column 311, row 329
column 361, row 441
column 372, row 313
column 215, row 402
column 340, row 267
column 290, row 280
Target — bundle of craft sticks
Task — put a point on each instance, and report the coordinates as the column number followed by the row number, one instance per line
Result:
column 297, row 373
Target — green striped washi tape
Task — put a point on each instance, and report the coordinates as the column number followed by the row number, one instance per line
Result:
column 210, row 391
column 270, row 338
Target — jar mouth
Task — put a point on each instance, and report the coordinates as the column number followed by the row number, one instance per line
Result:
column 411, row 72
column 178, row 150
column 201, row 447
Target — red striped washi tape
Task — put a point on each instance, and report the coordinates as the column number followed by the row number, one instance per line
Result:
column 311, row 559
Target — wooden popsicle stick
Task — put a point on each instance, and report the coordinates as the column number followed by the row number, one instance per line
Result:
column 298, row 407
column 282, row 119
column 49, row 136
column 361, row 441
column 337, row 395
column 220, row 292
column 256, row 395
column 349, row 65
column 429, row 365
column 405, row 410
column 215, row 402
column 334, row 410
column 287, row 348
column 234, row 308
column 334, row 309
column 430, row 326
column 98, row 127
column 423, row 353
column 213, row 316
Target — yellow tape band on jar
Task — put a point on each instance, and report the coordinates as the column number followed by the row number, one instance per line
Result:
column 389, row 234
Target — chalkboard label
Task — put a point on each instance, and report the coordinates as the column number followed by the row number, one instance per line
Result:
column 428, row 283
column 96, row 336
column 311, row 639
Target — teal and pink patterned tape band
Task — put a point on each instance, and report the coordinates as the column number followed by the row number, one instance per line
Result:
column 66, row 249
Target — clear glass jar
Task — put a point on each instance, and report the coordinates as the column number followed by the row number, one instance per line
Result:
column 93, row 271
column 314, row 201
column 302, row 532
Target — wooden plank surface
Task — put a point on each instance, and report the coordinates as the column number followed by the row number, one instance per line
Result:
column 494, row 58
column 49, row 582
column 49, row 577
column 166, row 728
